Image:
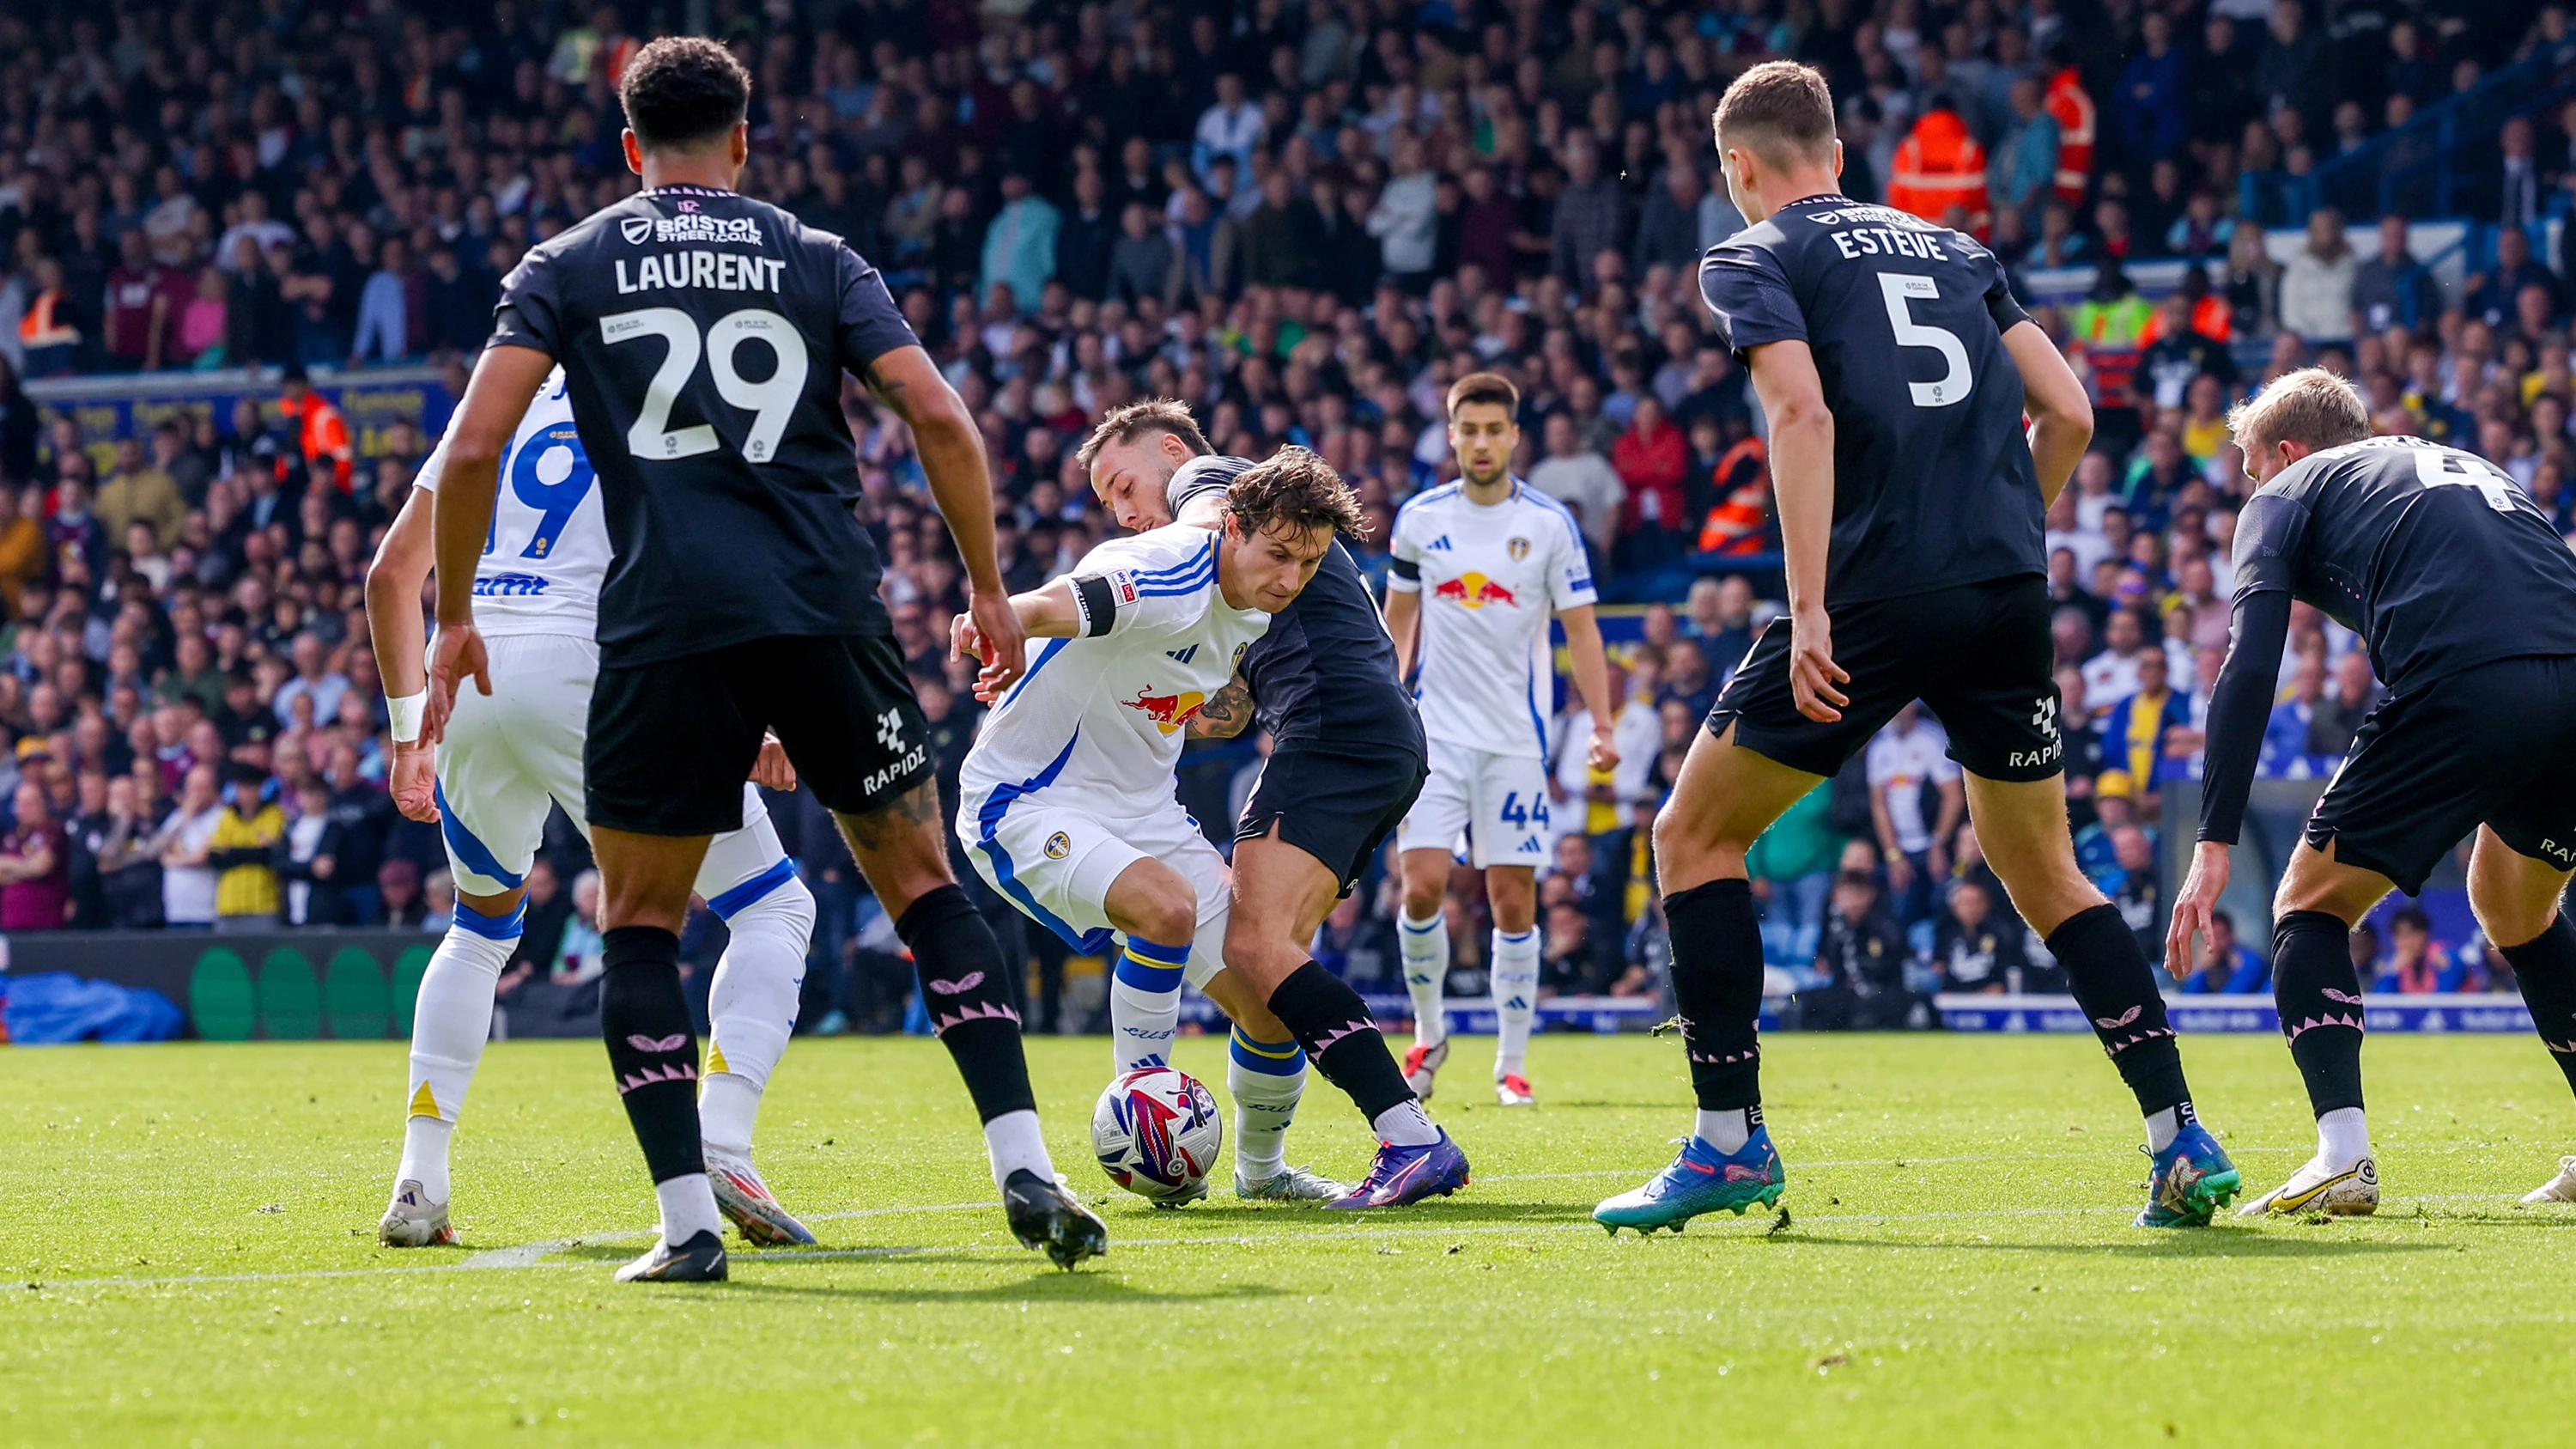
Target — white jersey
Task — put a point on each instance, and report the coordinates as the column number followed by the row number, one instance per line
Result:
column 548, row 548
column 1100, row 719
column 1490, row 580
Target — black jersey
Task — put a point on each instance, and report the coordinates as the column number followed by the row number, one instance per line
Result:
column 1325, row 672
column 1933, row 482
column 2432, row 555
column 703, row 336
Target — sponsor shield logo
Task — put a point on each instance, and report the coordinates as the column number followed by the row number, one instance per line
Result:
column 636, row 229
column 1058, row 846
column 1519, row 548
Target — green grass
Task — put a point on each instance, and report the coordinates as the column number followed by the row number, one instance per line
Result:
column 186, row 1239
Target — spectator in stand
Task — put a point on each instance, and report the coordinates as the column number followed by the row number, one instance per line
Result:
column 2317, row 287
column 182, row 842
column 246, row 833
column 35, row 867
column 306, row 858
column 1792, row 867
column 1909, row 770
column 2336, row 718
column 2392, row 289
column 1973, row 948
column 1652, row 460
column 1939, row 172
column 2417, row 964
column 1583, row 481
column 2025, row 164
column 144, row 492
column 2228, row 967
column 1861, row 960
column 398, row 891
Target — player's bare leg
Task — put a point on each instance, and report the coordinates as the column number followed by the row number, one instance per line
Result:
column 1281, row 896
column 644, row 883
column 902, row 849
column 1422, row 933
column 1511, row 893
column 450, row 1022
column 2022, row 825
column 2517, row 901
column 2317, row 994
column 1157, row 909
column 1726, row 797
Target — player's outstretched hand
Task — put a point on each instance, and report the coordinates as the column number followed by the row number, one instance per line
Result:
column 456, row 655
column 1001, row 641
column 1603, row 753
column 1812, row 670
column 413, row 779
column 2193, row 905
column 773, row 770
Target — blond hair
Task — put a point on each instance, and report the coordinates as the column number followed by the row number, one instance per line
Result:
column 2310, row 406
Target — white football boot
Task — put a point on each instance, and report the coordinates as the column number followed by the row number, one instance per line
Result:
column 1294, row 1184
column 412, row 1220
column 743, row 1197
column 1421, row 1064
column 2342, row 1189
column 2561, row 1188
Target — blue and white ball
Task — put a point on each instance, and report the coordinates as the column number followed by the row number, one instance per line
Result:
column 1157, row 1131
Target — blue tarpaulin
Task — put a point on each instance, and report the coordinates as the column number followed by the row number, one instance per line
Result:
column 57, row 1006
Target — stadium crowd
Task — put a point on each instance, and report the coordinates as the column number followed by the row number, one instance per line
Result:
column 1303, row 218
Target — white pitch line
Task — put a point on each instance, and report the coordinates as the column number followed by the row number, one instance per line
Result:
column 528, row 1256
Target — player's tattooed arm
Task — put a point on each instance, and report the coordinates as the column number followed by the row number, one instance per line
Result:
column 1223, row 717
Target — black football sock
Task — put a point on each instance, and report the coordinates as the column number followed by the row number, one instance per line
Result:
column 1331, row 1022
column 645, row 1019
column 965, row 989
column 2319, row 999
column 2109, row 977
column 1717, row 987
column 2545, row 967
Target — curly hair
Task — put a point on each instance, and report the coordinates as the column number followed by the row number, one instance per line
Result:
column 1295, row 487
column 683, row 89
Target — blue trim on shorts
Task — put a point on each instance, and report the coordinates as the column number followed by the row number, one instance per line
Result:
column 988, row 820
column 492, row 928
column 474, row 854
column 1277, row 1059
column 734, row 901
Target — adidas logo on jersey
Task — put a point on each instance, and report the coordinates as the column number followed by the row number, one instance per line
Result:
column 1439, row 545
column 1183, row 655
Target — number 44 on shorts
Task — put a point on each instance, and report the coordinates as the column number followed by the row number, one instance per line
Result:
column 1515, row 813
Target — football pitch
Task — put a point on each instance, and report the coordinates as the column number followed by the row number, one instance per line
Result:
column 188, row 1253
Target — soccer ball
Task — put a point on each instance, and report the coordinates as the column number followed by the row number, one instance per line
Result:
column 1157, row 1131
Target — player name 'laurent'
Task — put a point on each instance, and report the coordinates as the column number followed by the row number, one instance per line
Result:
column 713, row 271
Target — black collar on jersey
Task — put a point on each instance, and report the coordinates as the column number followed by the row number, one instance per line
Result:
column 686, row 191
column 1828, row 197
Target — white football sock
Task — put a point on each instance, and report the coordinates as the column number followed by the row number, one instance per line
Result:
column 688, row 1208
column 751, row 1010
column 1145, row 1003
column 1405, row 1125
column 1266, row 1080
column 1515, row 978
column 1726, row 1131
column 2163, row 1127
column 2343, row 1135
column 1013, row 1142
column 1426, row 974
column 451, row 1020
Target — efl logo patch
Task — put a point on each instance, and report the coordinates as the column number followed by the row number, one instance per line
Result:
column 1058, row 846
column 1123, row 583
column 1519, row 549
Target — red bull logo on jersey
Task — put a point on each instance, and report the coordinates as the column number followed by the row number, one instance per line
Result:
column 1474, row 590
column 1169, row 712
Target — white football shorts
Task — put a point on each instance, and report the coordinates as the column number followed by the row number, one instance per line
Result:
column 1497, row 802
column 1056, row 859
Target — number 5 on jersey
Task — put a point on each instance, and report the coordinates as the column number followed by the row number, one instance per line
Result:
column 770, row 400
column 1897, row 288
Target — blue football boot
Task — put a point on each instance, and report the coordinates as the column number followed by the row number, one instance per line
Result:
column 2191, row 1180
column 1402, row 1176
column 1700, row 1180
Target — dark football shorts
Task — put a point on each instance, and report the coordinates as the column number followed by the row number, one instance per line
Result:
column 2493, row 745
column 1978, row 655
column 1336, row 805
column 672, row 741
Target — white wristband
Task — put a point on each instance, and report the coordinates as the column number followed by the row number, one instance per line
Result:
column 406, row 712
